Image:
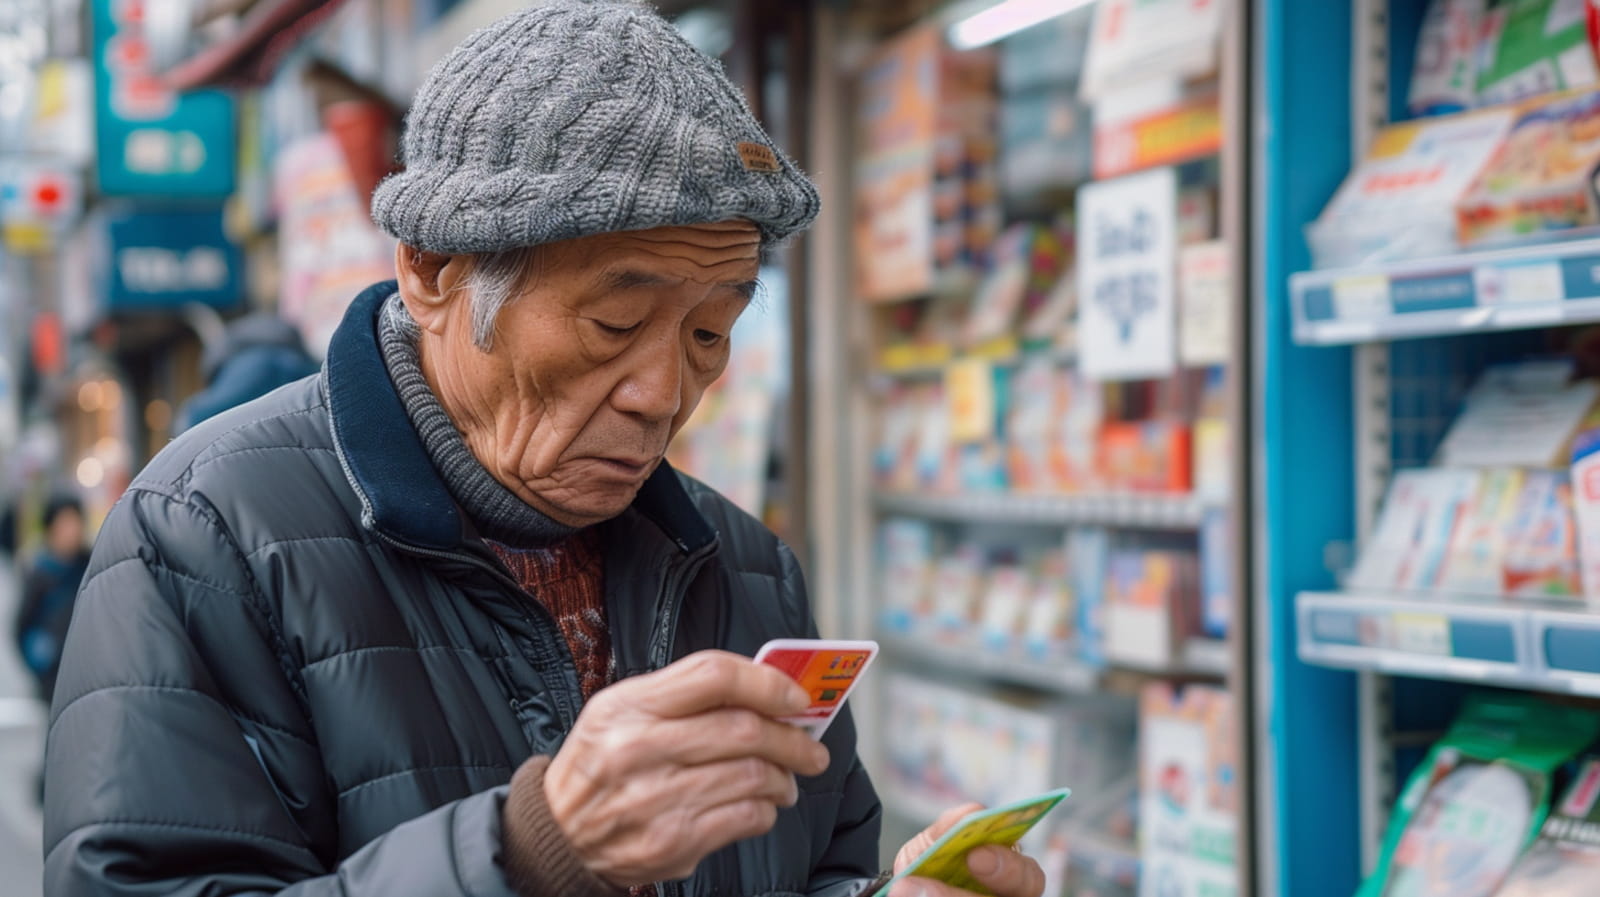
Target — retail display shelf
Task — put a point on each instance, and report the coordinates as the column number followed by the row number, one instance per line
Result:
column 1510, row 289
column 1065, row 677
column 1548, row 646
column 911, row 369
column 1132, row 510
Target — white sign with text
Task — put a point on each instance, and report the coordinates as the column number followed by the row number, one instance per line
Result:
column 1127, row 252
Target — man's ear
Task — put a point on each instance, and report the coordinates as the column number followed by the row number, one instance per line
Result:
column 430, row 284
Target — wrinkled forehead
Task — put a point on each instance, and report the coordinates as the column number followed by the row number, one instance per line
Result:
column 729, row 252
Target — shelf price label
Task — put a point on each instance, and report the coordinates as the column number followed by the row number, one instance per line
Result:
column 1127, row 255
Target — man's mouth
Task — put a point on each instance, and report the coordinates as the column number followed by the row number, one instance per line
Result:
column 629, row 466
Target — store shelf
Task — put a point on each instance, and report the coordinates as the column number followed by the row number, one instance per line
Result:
column 1543, row 646
column 929, row 370
column 1511, row 289
column 1143, row 511
column 1064, row 678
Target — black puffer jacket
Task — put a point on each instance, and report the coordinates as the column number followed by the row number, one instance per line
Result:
column 294, row 670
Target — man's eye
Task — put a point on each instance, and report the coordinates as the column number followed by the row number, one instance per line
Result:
column 616, row 329
column 708, row 338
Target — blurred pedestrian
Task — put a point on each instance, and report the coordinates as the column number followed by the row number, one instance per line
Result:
column 442, row 622
column 258, row 354
column 49, row 591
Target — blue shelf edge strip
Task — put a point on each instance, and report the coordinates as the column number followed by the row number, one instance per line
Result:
column 1496, row 643
column 1501, row 290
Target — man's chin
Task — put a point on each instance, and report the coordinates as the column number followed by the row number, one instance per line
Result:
column 597, row 506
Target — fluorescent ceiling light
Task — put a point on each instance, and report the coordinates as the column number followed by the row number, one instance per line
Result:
column 1007, row 18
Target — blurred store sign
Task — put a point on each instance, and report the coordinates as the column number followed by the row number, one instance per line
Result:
column 329, row 248
column 151, row 140
column 38, row 203
column 1127, row 245
column 165, row 260
column 1151, row 40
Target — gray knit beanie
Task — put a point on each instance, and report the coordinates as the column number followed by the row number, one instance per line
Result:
column 582, row 117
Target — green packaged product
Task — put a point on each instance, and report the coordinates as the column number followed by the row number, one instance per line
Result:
column 1565, row 861
column 1533, row 47
column 1478, row 798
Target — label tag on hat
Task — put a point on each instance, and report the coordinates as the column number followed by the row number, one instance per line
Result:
column 758, row 158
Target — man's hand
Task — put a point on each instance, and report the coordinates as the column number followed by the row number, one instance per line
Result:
column 1006, row 873
column 663, row 769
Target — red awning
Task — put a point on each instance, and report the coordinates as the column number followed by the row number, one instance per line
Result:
column 250, row 56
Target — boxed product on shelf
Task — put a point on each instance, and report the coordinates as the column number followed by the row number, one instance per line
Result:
column 1189, row 791
column 957, row 590
column 1008, row 593
column 1089, row 555
column 1032, row 428
column 926, row 183
column 1539, row 180
column 1213, row 444
column 1152, row 605
column 1445, row 76
column 1216, row 574
column 1564, row 861
column 1481, row 793
column 1145, row 456
column 1027, row 262
column 1537, row 400
column 906, row 552
column 1052, row 429
column 1533, row 47
column 1205, row 303
column 1541, row 559
column 1050, row 627
column 1400, row 202
column 1052, row 324
column 953, row 745
column 1475, row 561
column 1586, row 504
column 1499, row 532
column 1080, row 415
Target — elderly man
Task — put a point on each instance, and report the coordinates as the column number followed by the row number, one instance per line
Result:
column 440, row 622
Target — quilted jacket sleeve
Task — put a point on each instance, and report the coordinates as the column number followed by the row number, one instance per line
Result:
column 179, row 762
column 850, row 864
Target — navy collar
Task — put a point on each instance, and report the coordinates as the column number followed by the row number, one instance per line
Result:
column 402, row 495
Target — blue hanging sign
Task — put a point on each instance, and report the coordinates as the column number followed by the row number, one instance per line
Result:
column 150, row 140
column 164, row 260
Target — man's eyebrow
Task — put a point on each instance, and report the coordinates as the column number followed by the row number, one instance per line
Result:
column 620, row 279
column 747, row 288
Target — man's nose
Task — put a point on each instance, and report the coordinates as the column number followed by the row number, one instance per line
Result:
column 653, row 388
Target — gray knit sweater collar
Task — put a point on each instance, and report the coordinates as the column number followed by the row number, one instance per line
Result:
column 496, row 512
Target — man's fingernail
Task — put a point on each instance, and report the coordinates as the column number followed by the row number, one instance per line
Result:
column 798, row 700
column 983, row 862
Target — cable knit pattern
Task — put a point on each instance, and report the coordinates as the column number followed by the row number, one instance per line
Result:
column 582, row 117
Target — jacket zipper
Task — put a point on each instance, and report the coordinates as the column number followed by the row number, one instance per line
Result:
column 507, row 582
column 663, row 640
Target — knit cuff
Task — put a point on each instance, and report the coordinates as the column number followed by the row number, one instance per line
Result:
column 539, row 860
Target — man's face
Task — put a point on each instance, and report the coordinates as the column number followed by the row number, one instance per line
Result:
column 64, row 538
column 595, row 364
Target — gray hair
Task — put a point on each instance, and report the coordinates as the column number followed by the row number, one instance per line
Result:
column 495, row 279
